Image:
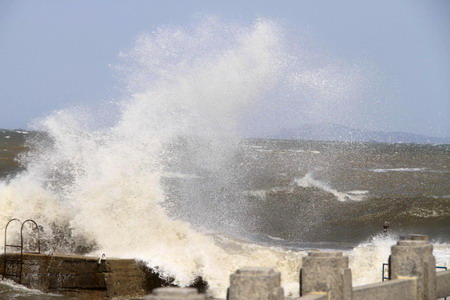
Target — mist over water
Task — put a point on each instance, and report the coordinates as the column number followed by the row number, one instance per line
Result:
column 161, row 184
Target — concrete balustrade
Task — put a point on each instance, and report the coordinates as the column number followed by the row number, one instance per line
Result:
column 442, row 284
column 174, row 293
column 255, row 284
column 326, row 276
column 413, row 258
column 392, row 289
column 314, row 297
column 326, row 273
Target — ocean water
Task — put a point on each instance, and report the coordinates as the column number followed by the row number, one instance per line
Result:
column 282, row 198
column 164, row 175
column 10, row 290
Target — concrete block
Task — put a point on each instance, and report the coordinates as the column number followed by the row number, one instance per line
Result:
column 313, row 297
column 174, row 293
column 255, row 284
column 443, row 284
column 417, row 237
column 413, row 258
column 387, row 290
column 326, row 272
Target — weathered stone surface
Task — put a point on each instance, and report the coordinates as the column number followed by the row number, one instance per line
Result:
column 326, row 272
column 83, row 277
column 417, row 237
column 253, row 283
column 313, row 297
column 413, row 257
column 443, row 284
column 392, row 289
column 173, row 293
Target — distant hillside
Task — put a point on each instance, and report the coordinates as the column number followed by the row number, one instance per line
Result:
column 334, row 132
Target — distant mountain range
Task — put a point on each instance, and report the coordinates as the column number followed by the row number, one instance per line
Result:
column 335, row 132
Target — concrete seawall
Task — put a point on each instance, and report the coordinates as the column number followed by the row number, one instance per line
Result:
column 84, row 277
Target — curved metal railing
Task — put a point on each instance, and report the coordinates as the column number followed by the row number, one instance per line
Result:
column 18, row 261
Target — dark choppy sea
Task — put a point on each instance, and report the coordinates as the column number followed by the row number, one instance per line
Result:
column 273, row 200
column 295, row 193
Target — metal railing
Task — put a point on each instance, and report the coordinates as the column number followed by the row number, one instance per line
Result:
column 385, row 267
column 18, row 261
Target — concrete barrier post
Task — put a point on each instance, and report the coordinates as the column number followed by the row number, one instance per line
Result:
column 326, row 273
column 413, row 258
column 255, row 284
column 174, row 293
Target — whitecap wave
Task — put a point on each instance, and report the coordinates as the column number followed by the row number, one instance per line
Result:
column 275, row 238
column 309, row 181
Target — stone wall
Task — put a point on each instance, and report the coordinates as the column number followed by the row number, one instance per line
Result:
column 87, row 277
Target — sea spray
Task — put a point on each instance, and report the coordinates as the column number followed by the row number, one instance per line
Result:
column 105, row 189
column 369, row 256
column 105, row 184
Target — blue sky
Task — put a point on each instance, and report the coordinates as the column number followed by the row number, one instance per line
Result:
column 56, row 54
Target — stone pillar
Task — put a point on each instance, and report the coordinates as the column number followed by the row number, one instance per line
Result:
column 255, row 284
column 175, row 293
column 326, row 273
column 413, row 258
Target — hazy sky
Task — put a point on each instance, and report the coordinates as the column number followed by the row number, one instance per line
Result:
column 56, row 53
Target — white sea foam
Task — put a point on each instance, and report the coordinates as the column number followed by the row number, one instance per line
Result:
column 296, row 151
column 256, row 193
column 303, row 151
column 309, row 181
column 22, row 131
column 367, row 258
column 12, row 290
column 358, row 192
column 398, row 170
column 263, row 193
column 274, row 238
column 179, row 175
column 429, row 212
column 264, row 150
column 442, row 253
